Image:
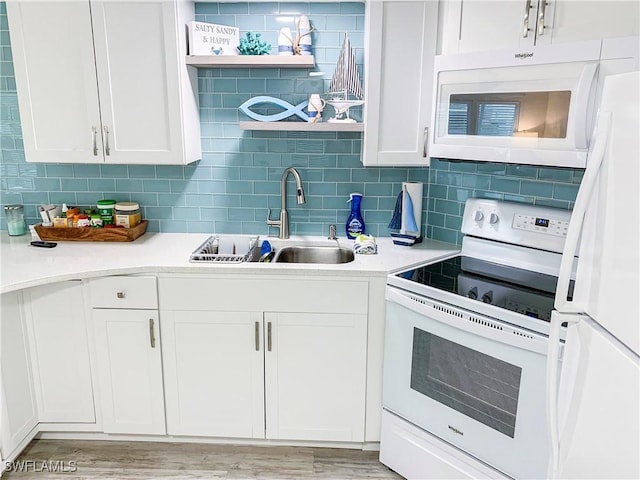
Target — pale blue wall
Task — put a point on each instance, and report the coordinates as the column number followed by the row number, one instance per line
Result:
column 238, row 177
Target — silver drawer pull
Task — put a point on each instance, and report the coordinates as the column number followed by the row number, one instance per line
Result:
column 269, row 336
column 525, row 20
column 107, row 149
column 257, row 335
column 152, row 336
column 542, row 10
column 120, row 294
column 95, row 141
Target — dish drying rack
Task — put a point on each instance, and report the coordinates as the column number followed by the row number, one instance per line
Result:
column 208, row 251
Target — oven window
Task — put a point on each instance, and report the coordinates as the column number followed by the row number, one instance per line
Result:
column 473, row 383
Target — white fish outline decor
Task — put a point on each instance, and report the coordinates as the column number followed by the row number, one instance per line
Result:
column 289, row 109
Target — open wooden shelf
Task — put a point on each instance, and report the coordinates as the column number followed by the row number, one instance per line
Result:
column 255, row 61
column 303, row 126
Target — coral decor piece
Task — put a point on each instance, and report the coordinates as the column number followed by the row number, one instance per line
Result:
column 252, row 45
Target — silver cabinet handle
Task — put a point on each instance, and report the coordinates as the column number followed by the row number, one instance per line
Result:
column 107, row 150
column 269, row 336
column 525, row 20
column 152, row 336
column 542, row 9
column 425, row 140
column 257, row 336
column 120, row 295
column 95, row 141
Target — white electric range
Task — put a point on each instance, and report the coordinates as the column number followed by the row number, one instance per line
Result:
column 465, row 349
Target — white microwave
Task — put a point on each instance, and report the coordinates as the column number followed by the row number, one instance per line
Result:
column 535, row 106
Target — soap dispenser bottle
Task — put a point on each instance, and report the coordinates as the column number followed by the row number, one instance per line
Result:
column 355, row 222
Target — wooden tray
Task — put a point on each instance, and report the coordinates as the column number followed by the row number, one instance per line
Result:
column 88, row 234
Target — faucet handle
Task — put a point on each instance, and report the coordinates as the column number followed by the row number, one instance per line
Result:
column 332, row 232
column 272, row 223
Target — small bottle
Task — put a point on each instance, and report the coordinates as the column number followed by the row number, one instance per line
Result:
column 355, row 222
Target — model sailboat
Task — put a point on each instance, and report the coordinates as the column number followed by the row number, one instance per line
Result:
column 345, row 89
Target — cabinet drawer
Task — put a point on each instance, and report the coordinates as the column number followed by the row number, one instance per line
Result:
column 123, row 292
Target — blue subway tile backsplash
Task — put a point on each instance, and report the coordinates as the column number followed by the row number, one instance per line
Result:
column 238, row 178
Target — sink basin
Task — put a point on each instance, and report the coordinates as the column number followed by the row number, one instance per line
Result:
column 308, row 254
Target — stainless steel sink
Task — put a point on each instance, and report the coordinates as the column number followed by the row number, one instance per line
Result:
column 309, row 254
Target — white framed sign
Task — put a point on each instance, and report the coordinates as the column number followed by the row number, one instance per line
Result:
column 212, row 39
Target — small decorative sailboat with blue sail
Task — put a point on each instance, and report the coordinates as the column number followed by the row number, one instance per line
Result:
column 345, row 89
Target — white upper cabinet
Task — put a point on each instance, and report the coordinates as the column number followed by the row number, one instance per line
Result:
column 105, row 82
column 474, row 25
column 401, row 45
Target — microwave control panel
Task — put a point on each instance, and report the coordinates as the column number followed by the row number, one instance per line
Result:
column 549, row 226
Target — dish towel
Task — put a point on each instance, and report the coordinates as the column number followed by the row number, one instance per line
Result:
column 365, row 245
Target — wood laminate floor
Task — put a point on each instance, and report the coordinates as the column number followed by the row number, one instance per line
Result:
column 163, row 461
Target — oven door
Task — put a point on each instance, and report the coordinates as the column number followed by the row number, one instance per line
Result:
column 471, row 380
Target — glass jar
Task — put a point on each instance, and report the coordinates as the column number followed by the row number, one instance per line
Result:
column 14, row 215
column 128, row 214
column 105, row 209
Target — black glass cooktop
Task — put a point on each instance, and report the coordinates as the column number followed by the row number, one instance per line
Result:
column 523, row 291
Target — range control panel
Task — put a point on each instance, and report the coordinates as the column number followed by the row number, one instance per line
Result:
column 546, row 225
column 544, row 228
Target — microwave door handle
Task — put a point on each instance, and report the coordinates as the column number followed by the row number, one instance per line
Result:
column 582, row 94
column 525, row 20
column 579, row 209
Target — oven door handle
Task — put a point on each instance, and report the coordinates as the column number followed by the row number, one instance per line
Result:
column 469, row 322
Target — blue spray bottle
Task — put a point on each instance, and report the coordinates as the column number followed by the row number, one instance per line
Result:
column 355, row 222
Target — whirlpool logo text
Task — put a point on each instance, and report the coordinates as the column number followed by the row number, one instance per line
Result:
column 523, row 55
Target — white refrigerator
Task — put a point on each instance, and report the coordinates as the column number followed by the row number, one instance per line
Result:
column 593, row 404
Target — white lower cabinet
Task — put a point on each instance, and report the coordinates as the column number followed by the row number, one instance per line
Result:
column 315, row 373
column 57, row 328
column 286, row 362
column 18, row 411
column 214, row 373
column 128, row 354
column 129, row 366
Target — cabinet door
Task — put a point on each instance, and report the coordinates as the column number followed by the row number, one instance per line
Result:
column 495, row 24
column 214, row 373
column 315, row 373
column 136, row 46
column 130, row 370
column 400, row 51
column 578, row 21
column 56, row 81
column 475, row 25
column 18, row 409
column 60, row 353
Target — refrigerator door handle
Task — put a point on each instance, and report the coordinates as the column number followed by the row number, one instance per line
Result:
column 577, row 217
column 553, row 374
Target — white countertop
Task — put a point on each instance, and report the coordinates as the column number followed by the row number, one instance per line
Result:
column 23, row 265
